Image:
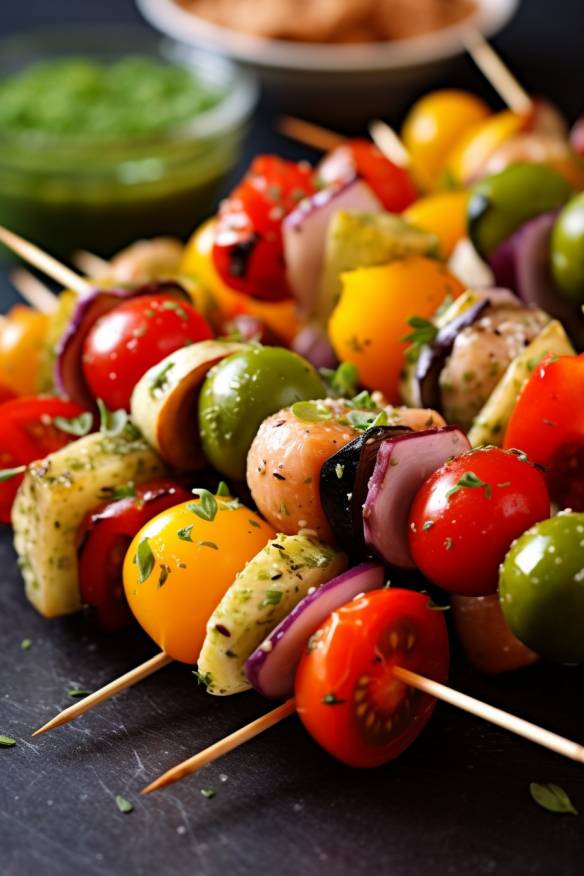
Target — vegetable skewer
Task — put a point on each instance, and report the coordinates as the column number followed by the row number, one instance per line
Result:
column 43, row 261
column 519, row 726
column 33, row 291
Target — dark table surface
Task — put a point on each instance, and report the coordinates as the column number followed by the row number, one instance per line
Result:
column 457, row 802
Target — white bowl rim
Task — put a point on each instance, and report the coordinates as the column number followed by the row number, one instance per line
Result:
column 172, row 19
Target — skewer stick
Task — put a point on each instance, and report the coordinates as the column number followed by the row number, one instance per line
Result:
column 516, row 725
column 309, row 134
column 234, row 740
column 33, row 291
column 388, row 143
column 496, row 71
column 43, row 261
column 109, row 690
column 90, row 264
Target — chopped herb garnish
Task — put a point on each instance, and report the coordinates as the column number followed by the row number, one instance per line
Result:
column 126, row 491
column 382, row 420
column 144, row 560
column 223, row 489
column 364, row 420
column 174, row 305
column 160, row 380
column 424, row 332
column 7, row 473
column 163, row 576
column 203, row 677
column 447, row 543
column 339, row 470
column 26, row 644
column 209, row 544
column 272, row 597
column 7, row 741
column 77, row 693
column 428, row 525
column 124, row 805
column 520, row 454
column 185, row 533
column 208, row 792
column 471, row 481
column 230, row 506
column 363, row 401
column 79, row 426
column 254, row 523
column 343, row 382
column 553, row 798
column 331, row 699
column 111, row 423
column 310, row 411
column 206, row 508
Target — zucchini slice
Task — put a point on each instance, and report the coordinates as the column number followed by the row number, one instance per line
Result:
column 52, row 500
column 165, row 401
column 263, row 593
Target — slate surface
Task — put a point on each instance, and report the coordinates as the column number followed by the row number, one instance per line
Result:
column 456, row 803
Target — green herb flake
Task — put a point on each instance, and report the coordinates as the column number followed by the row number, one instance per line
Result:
column 209, row 544
column 174, row 305
column 163, row 576
column 363, row 401
column 253, row 523
column 230, row 506
column 223, row 489
column 7, row 473
column 144, row 559
column 7, row 741
column 208, row 793
column 553, row 798
column 310, row 411
column 428, row 525
column 78, row 426
column 343, row 381
column 77, row 693
column 125, row 491
column 26, row 644
column 469, row 480
column 331, row 699
column 424, row 332
column 160, row 380
column 111, row 423
column 272, row 597
column 185, row 533
column 207, row 506
column 447, row 543
column 204, row 678
column 124, row 805
column 339, row 470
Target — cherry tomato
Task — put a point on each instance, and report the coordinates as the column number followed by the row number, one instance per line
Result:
column 104, row 538
column 180, row 564
column 27, row 433
column 22, row 337
column 346, row 693
column 248, row 250
column 548, row 424
column 6, row 394
column 466, row 514
column 133, row 337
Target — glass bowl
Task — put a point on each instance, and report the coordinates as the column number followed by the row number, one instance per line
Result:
column 71, row 192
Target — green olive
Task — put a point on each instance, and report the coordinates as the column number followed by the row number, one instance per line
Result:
column 502, row 203
column 567, row 249
column 238, row 395
column 541, row 588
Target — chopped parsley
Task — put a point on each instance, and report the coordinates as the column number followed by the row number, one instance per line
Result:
column 339, row 470
column 272, row 597
column 343, row 382
column 26, row 644
column 185, row 533
column 78, row 426
column 175, row 305
column 163, row 576
column 124, row 805
column 111, row 423
column 144, row 559
column 424, row 332
column 207, row 506
column 470, row 480
column 331, row 699
column 125, row 491
column 311, row 411
column 209, row 544
column 77, row 693
column 223, row 489
column 208, row 792
column 7, row 473
column 7, row 741
column 160, row 380
column 204, row 678
column 553, row 798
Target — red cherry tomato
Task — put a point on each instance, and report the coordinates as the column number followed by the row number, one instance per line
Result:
column 466, row 514
column 547, row 423
column 104, row 538
column 393, row 185
column 346, row 693
column 6, row 394
column 27, row 433
column 133, row 337
column 248, row 252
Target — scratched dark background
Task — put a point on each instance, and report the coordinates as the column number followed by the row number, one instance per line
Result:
column 457, row 802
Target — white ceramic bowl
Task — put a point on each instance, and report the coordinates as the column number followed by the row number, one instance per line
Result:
column 338, row 84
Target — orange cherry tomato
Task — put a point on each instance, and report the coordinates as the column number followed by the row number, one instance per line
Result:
column 443, row 214
column 22, row 336
column 347, row 696
column 468, row 158
column 434, row 125
column 180, row 564
column 370, row 321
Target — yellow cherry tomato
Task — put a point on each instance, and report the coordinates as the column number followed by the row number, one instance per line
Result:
column 22, row 336
column 180, row 564
column 370, row 321
column 434, row 125
column 444, row 214
column 472, row 151
column 198, row 260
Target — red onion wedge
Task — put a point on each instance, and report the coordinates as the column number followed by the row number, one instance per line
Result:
column 403, row 464
column 305, row 232
column 313, row 343
column 272, row 667
column 68, row 376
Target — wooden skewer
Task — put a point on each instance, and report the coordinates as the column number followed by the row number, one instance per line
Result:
column 309, row 134
column 389, row 143
column 536, row 734
column 92, row 265
column 496, row 71
column 43, row 261
column 223, row 746
column 33, row 291
column 109, row 690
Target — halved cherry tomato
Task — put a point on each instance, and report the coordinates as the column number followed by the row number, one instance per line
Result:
column 248, row 250
column 22, row 336
column 393, row 185
column 133, row 337
column 104, row 538
column 466, row 514
column 346, row 693
column 547, row 423
column 27, row 433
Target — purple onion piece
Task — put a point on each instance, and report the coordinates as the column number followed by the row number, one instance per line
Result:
column 313, row 343
column 68, row 375
column 304, row 231
column 403, row 464
column 272, row 667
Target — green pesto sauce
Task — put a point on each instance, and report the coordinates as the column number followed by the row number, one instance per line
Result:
column 79, row 97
